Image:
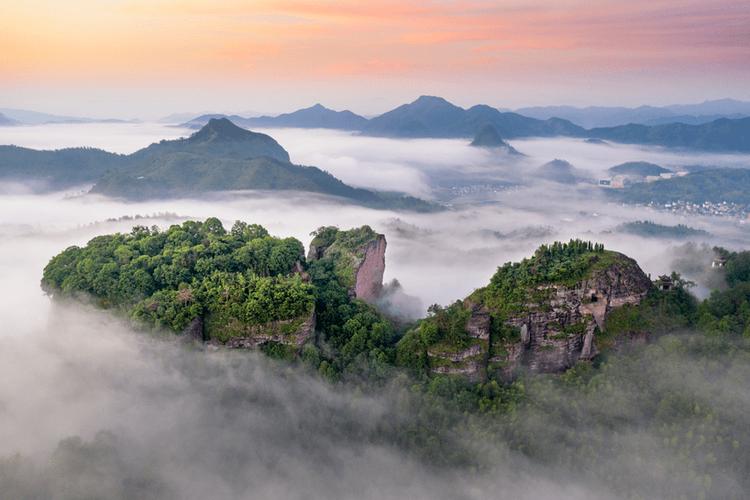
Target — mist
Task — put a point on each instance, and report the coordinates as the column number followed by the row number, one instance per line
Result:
column 88, row 406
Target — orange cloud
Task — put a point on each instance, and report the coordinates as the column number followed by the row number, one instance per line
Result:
column 288, row 39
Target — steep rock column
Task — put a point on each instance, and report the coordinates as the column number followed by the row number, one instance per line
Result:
column 369, row 277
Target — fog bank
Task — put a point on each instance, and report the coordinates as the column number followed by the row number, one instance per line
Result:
column 88, row 407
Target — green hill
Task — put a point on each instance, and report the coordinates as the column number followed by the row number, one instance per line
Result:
column 542, row 314
column 218, row 138
column 715, row 186
column 719, row 135
column 184, row 174
column 638, row 168
column 57, row 169
column 219, row 157
column 650, row 229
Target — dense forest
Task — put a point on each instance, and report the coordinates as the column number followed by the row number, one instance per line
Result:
column 665, row 402
column 166, row 279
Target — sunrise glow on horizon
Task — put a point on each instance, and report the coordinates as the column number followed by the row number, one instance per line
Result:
column 505, row 53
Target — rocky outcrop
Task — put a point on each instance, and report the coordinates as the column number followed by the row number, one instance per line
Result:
column 368, row 281
column 555, row 329
column 293, row 333
column 469, row 360
column 358, row 256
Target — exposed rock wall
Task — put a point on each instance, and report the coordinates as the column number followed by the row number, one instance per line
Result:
column 292, row 332
column 360, row 265
column 471, row 360
column 553, row 333
column 369, row 275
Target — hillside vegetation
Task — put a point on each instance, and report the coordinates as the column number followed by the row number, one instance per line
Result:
column 166, row 279
column 716, row 186
column 219, row 157
column 662, row 411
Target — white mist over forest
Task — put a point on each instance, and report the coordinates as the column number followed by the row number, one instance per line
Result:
column 235, row 425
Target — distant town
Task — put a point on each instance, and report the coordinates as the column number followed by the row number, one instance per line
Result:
column 723, row 209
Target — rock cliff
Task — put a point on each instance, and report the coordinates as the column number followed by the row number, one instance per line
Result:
column 369, row 275
column 291, row 333
column 543, row 327
column 561, row 328
column 358, row 256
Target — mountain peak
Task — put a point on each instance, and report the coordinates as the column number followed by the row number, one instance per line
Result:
column 488, row 137
column 558, row 163
column 431, row 100
column 221, row 138
column 220, row 129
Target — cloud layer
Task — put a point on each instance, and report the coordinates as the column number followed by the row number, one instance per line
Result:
column 89, row 407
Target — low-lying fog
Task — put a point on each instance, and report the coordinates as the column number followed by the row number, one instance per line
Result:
column 437, row 257
column 65, row 371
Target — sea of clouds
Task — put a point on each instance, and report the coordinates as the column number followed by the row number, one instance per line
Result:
column 151, row 419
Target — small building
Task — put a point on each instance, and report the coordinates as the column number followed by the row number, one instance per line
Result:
column 605, row 182
column 618, row 181
column 665, row 283
column 718, row 262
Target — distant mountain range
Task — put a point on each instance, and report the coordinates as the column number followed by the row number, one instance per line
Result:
column 719, row 135
column 426, row 117
column 6, row 122
column 316, row 116
column 26, row 117
column 219, row 157
column 434, row 117
column 606, row 116
column 431, row 116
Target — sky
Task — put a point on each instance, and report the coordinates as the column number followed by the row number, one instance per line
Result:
column 146, row 58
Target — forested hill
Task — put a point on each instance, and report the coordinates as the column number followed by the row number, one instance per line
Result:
column 219, row 157
column 57, row 169
column 179, row 174
column 677, row 391
column 731, row 185
column 218, row 138
column 720, row 135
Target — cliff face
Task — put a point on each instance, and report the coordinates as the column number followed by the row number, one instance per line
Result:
column 292, row 333
column 358, row 256
column 554, row 330
column 369, row 275
column 469, row 360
